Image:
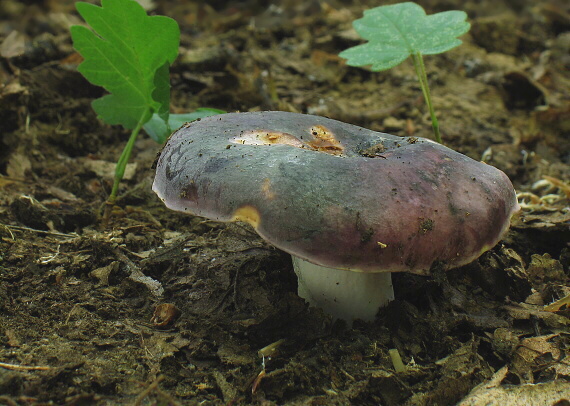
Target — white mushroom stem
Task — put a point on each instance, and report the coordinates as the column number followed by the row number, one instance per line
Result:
column 343, row 294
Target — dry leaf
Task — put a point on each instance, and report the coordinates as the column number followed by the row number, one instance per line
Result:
column 106, row 169
column 540, row 353
column 561, row 304
column 18, row 165
column 523, row 311
column 13, row 45
column 543, row 394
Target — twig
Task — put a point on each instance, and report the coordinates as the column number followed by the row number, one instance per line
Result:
column 10, row 231
column 22, row 228
column 135, row 274
column 16, row 367
column 148, row 390
column 7, row 401
column 396, row 360
column 154, row 387
column 75, row 306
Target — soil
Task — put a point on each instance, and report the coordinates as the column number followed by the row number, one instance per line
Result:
column 157, row 307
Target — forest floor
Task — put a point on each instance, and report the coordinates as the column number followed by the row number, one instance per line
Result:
column 157, row 307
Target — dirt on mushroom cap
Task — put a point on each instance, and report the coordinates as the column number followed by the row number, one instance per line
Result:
column 321, row 195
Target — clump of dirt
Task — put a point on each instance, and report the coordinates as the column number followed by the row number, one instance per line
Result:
column 159, row 307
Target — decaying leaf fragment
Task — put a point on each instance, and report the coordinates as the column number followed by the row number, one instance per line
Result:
column 540, row 353
column 524, row 311
column 542, row 394
column 561, row 304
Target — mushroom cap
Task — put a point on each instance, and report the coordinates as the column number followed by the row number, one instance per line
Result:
column 335, row 194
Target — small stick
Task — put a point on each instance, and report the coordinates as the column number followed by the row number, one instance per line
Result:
column 153, row 386
column 396, row 360
column 22, row 228
column 269, row 350
column 16, row 367
column 8, row 401
column 135, row 274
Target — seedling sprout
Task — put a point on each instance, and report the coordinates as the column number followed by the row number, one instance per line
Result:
column 398, row 31
column 129, row 53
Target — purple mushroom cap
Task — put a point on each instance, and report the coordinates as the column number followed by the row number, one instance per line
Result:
column 335, row 194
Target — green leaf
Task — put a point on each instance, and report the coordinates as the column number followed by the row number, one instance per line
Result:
column 161, row 93
column 157, row 129
column 127, row 53
column 396, row 31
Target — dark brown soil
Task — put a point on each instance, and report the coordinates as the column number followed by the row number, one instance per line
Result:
column 162, row 308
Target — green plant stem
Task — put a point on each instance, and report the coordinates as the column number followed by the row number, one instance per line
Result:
column 422, row 77
column 122, row 164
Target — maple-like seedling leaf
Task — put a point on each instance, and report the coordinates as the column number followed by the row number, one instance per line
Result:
column 128, row 53
column 397, row 31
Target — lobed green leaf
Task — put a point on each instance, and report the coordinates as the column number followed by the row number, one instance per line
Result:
column 394, row 32
column 127, row 53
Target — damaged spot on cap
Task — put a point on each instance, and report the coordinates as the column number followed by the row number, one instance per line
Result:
column 319, row 139
column 325, row 141
column 267, row 137
column 248, row 214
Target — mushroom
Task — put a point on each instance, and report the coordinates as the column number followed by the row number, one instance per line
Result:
column 349, row 204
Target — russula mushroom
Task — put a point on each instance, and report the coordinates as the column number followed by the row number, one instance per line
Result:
column 349, row 204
